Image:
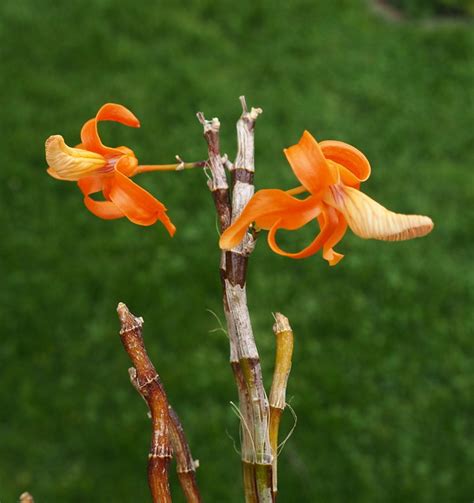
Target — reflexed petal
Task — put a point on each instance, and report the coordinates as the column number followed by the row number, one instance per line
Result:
column 370, row 220
column 309, row 164
column 102, row 209
column 328, row 226
column 328, row 253
column 68, row 163
column 106, row 210
column 117, row 113
column 347, row 156
column 109, row 112
column 138, row 205
column 344, row 175
column 91, row 184
column 265, row 209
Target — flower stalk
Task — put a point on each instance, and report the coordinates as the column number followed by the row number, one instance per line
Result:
column 145, row 168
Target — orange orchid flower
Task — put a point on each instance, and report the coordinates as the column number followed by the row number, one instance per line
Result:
column 331, row 172
column 97, row 168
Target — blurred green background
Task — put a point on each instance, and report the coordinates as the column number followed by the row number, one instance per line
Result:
column 382, row 381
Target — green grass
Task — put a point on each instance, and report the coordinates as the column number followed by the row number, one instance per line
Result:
column 382, row 379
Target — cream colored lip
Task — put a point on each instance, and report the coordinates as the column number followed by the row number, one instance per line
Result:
column 69, row 163
column 370, row 220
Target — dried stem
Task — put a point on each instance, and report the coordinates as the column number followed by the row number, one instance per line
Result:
column 26, row 498
column 185, row 464
column 253, row 403
column 148, row 383
column 283, row 356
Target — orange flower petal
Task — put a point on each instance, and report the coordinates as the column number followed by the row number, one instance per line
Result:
column 348, row 156
column 138, row 205
column 117, row 113
column 345, row 176
column 370, row 220
column 106, row 210
column 328, row 227
column 328, row 253
column 102, row 209
column 91, row 184
column 109, row 112
column 309, row 164
column 265, row 209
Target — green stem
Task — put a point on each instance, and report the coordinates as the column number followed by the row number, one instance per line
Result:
column 145, row 168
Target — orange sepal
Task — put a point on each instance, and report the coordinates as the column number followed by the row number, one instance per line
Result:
column 309, row 164
column 138, row 205
column 327, row 228
column 109, row 112
column 347, row 156
column 106, row 210
column 117, row 113
column 267, row 207
column 328, row 253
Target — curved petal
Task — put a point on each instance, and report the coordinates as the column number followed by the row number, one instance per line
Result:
column 348, row 156
column 344, row 175
column 265, row 209
column 370, row 220
column 328, row 253
column 327, row 228
column 91, row 184
column 138, row 205
column 102, row 209
column 68, row 163
column 309, row 164
column 117, row 113
column 109, row 112
column 106, row 210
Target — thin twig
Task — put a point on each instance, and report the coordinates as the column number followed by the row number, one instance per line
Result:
column 283, row 356
column 185, row 464
column 148, row 383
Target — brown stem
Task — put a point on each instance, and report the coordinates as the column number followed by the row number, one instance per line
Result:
column 219, row 188
column 283, row 356
column 148, row 383
column 245, row 362
column 185, row 464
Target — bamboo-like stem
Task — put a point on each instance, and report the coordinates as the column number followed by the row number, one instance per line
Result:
column 148, row 383
column 253, row 403
column 249, row 479
column 283, row 356
column 185, row 464
column 219, row 188
column 26, row 498
column 145, row 168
